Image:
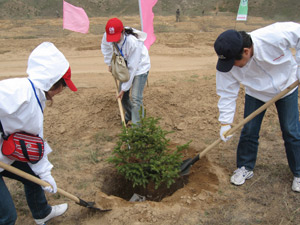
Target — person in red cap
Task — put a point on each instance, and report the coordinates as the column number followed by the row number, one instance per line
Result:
column 22, row 103
column 263, row 63
column 130, row 44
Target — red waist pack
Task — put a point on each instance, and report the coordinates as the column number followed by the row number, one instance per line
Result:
column 23, row 147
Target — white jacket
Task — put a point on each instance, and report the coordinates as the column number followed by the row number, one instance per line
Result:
column 19, row 108
column 135, row 53
column 271, row 69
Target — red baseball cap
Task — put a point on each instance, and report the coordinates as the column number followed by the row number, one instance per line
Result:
column 67, row 79
column 114, row 28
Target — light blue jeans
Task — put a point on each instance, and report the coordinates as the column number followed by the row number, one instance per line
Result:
column 288, row 115
column 133, row 106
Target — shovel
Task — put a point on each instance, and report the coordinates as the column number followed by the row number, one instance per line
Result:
column 44, row 183
column 120, row 104
column 186, row 164
column 121, row 107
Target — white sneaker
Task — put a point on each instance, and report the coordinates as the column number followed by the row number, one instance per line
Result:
column 296, row 184
column 241, row 175
column 57, row 210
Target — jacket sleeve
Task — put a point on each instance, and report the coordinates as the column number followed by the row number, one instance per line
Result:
column 227, row 89
column 133, row 52
column 43, row 167
column 107, row 50
column 295, row 40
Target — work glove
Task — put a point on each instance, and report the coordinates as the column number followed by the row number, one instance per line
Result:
column 50, row 180
column 223, row 130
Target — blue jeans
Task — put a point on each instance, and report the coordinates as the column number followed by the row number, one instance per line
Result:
column 288, row 114
column 132, row 107
column 35, row 197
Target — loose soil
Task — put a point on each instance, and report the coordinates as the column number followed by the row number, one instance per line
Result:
column 82, row 128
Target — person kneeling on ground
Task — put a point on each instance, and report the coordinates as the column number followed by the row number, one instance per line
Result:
column 22, row 102
column 263, row 63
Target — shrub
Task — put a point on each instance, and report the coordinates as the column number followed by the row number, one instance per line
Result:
column 143, row 155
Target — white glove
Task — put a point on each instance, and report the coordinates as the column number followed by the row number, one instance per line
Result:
column 223, row 131
column 50, row 180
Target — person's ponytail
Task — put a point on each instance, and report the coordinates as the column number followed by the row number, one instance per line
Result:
column 129, row 30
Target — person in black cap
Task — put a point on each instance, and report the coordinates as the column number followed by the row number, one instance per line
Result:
column 263, row 63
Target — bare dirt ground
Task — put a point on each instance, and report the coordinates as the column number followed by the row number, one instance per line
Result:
column 82, row 128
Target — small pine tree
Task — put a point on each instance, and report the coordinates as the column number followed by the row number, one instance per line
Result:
column 142, row 154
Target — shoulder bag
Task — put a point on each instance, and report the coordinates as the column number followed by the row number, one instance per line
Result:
column 119, row 64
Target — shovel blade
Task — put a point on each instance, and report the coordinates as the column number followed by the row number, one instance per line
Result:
column 90, row 205
column 187, row 164
column 185, row 167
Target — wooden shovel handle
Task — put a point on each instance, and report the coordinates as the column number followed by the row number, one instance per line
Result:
column 251, row 116
column 120, row 104
column 36, row 180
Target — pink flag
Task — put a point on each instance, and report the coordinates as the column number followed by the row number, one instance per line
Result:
column 75, row 18
column 147, row 20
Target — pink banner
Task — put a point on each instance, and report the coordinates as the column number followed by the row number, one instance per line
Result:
column 75, row 18
column 147, row 20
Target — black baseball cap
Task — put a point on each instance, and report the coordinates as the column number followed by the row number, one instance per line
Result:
column 228, row 46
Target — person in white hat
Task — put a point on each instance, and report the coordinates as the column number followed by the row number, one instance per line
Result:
column 22, row 103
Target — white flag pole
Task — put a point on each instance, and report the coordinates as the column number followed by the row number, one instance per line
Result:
column 141, row 18
column 141, row 14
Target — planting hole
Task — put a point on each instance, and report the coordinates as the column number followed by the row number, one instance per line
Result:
column 116, row 185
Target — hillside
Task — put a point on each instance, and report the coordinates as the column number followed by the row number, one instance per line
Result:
column 271, row 9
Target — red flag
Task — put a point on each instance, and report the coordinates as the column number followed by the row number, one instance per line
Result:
column 75, row 18
column 147, row 20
